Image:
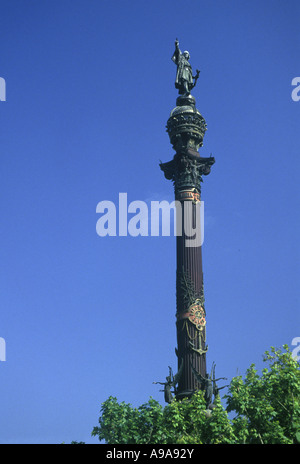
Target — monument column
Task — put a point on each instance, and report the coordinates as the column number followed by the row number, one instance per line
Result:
column 186, row 128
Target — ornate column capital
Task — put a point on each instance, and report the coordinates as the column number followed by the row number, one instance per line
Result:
column 186, row 169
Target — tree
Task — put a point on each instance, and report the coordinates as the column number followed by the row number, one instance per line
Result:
column 268, row 406
column 266, row 410
column 179, row 422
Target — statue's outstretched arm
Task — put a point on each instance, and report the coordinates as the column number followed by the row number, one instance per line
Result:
column 177, row 52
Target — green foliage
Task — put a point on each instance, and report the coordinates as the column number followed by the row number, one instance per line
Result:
column 268, row 406
column 266, row 410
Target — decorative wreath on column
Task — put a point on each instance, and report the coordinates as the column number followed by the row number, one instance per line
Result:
column 195, row 314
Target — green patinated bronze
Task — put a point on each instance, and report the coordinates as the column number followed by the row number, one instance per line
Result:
column 185, row 81
column 186, row 128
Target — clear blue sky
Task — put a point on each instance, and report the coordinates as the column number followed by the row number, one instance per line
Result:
column 90, row 86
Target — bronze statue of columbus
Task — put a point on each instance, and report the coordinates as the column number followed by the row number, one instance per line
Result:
column 185, row 81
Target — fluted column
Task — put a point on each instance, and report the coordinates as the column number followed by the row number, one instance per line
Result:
column 186, row 128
